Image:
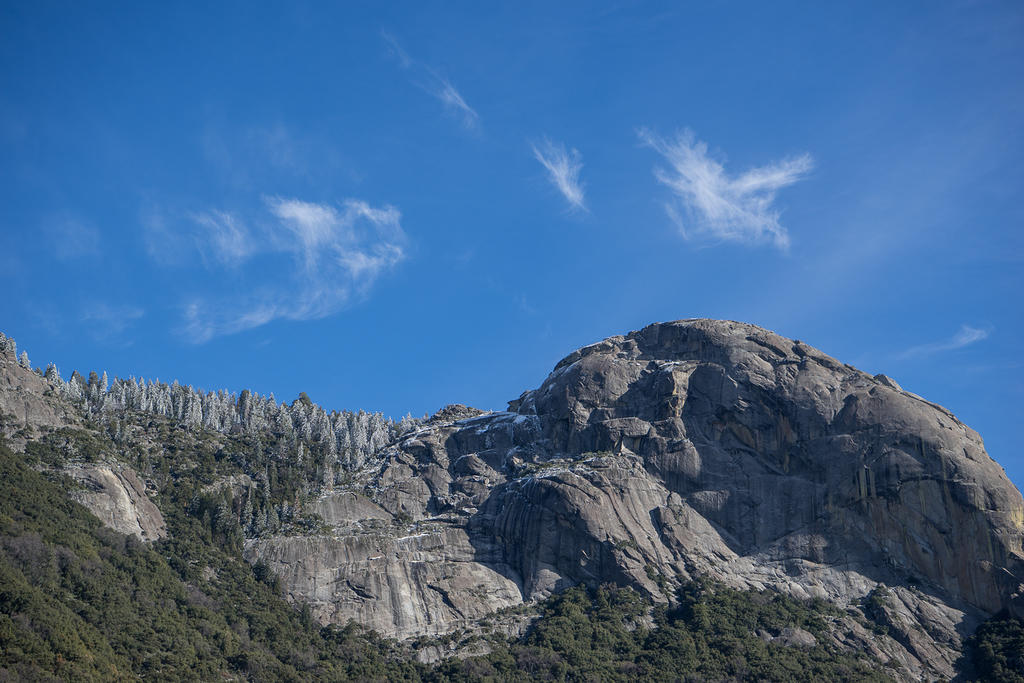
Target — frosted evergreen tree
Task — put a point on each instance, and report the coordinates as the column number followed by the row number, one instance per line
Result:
column 303, row 438
column 52, row 374
column 8, row 346
column 408, row 424
column 321, row 425
column 301, row 420
column 24, row 362
column 247, row 512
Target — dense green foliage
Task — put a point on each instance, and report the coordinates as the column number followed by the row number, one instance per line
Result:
column 184, row 463
column 996, row 650
column 80, row 602
column 710, row 635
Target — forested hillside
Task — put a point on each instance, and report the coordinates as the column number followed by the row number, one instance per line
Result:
column 288, row 450
column 81, row 602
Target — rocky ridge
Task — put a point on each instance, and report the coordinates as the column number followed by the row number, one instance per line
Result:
column 695, row 448
column 111, row 490
column 27, row 401
column 691, row 448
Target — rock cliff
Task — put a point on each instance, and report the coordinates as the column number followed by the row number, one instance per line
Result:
column 118, row 498
column 695, row 448
column 689, row 448
column 27, row 401
column 112, row 491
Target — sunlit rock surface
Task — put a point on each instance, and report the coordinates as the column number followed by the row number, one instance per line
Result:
column 689, row 448
column 118, row 498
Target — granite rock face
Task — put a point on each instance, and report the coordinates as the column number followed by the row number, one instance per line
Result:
column 426, row 582
column 118, row 498
column 689, row 448
column 28, row 401
column 111, row 491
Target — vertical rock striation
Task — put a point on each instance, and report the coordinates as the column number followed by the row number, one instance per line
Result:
column 696, row 447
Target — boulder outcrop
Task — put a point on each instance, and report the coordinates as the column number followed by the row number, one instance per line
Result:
column 118, row 498
column 27, row 401
column 111, row 491
column 691, row 448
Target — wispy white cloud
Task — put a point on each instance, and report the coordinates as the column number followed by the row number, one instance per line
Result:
column 433, row 83
column 719, row 207
column 396, row 50
column 441, row 88
column 332, row 255
column 71, row 238
column 225, row 236
column 168, row 242
column 107, row 323
column 563, row 167
column 965, row 336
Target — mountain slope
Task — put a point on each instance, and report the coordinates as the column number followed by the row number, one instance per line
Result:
column 80, row 602
column 692, row 450
column 695, row 448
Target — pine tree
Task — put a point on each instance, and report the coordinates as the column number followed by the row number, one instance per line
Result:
column 310, row 446
column 8, row 346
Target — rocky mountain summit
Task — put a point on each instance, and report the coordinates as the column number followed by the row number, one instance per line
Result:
column 690, row 448
column 685, row 450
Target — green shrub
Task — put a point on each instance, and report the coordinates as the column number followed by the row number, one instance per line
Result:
column 996, row 650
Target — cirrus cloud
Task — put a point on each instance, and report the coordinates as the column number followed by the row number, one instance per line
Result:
column 563, row 167
column 708, row 203
column 965, row 336
column 314, row 260
column 433, row 83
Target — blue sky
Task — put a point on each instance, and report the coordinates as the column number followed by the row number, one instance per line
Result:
column 394, row 208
